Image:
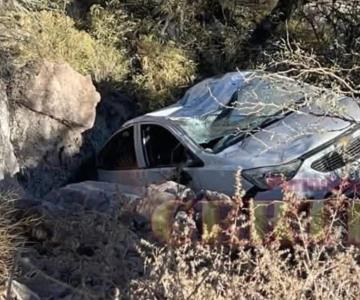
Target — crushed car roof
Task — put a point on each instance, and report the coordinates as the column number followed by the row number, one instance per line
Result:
column 195, row 102
column 210, row 94
column 216, row 91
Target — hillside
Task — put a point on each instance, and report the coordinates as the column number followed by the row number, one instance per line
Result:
column 73, row 71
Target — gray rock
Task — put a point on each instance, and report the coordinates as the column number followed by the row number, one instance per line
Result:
column 8, row 163
column 47, row 108
column 158, row 194
column 87, row 196
column 10, row 186
column 104, row 197
column 22, row 292
column 59, row 92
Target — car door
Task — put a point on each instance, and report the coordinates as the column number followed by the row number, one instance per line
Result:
column 118, row 162
column 167, row 157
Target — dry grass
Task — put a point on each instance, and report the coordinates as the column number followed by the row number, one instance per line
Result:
column 202, row 272
column 288, row 263
column 11, row 236
column 111, row 27
column 6, row 244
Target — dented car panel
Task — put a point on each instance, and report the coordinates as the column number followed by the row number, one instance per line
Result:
column 278, row 134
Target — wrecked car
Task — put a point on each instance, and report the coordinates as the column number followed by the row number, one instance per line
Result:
column 264, row 132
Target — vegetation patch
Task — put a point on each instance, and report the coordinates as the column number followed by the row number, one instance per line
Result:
column 165, row 68
column 52, row 35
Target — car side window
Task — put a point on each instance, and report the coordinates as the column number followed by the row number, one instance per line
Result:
column 119, row 152
column 161, row 147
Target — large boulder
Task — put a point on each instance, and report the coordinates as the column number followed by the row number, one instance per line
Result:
column 46, row 108
column 102, row 197
column 59, row 92
column 106, row 197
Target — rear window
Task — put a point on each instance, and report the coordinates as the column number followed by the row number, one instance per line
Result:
column 119, row 152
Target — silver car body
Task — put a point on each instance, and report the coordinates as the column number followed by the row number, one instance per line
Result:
column 307, row 136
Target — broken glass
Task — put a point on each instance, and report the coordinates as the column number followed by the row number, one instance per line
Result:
column 235, row 103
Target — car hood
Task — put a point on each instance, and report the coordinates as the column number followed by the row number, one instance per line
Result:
column 293, row 136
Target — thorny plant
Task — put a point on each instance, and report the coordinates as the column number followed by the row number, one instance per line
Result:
column 289, row 263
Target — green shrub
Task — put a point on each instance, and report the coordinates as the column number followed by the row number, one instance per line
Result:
column 53, row 36
column 110, row 27
column 165, row 69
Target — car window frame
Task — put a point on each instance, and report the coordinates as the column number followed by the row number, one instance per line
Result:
column 141, row 147
column 114, row 135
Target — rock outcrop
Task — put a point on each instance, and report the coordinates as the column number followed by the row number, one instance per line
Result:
column 8, row 162
column 44, row 109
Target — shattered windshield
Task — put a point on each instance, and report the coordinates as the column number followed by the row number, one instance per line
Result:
column 219, row 109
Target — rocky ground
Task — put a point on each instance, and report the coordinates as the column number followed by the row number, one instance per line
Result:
column 82, row 246
column 89, row 241
column 86, row 240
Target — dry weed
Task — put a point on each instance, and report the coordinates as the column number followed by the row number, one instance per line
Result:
column 11, row 236
column 274, row 270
